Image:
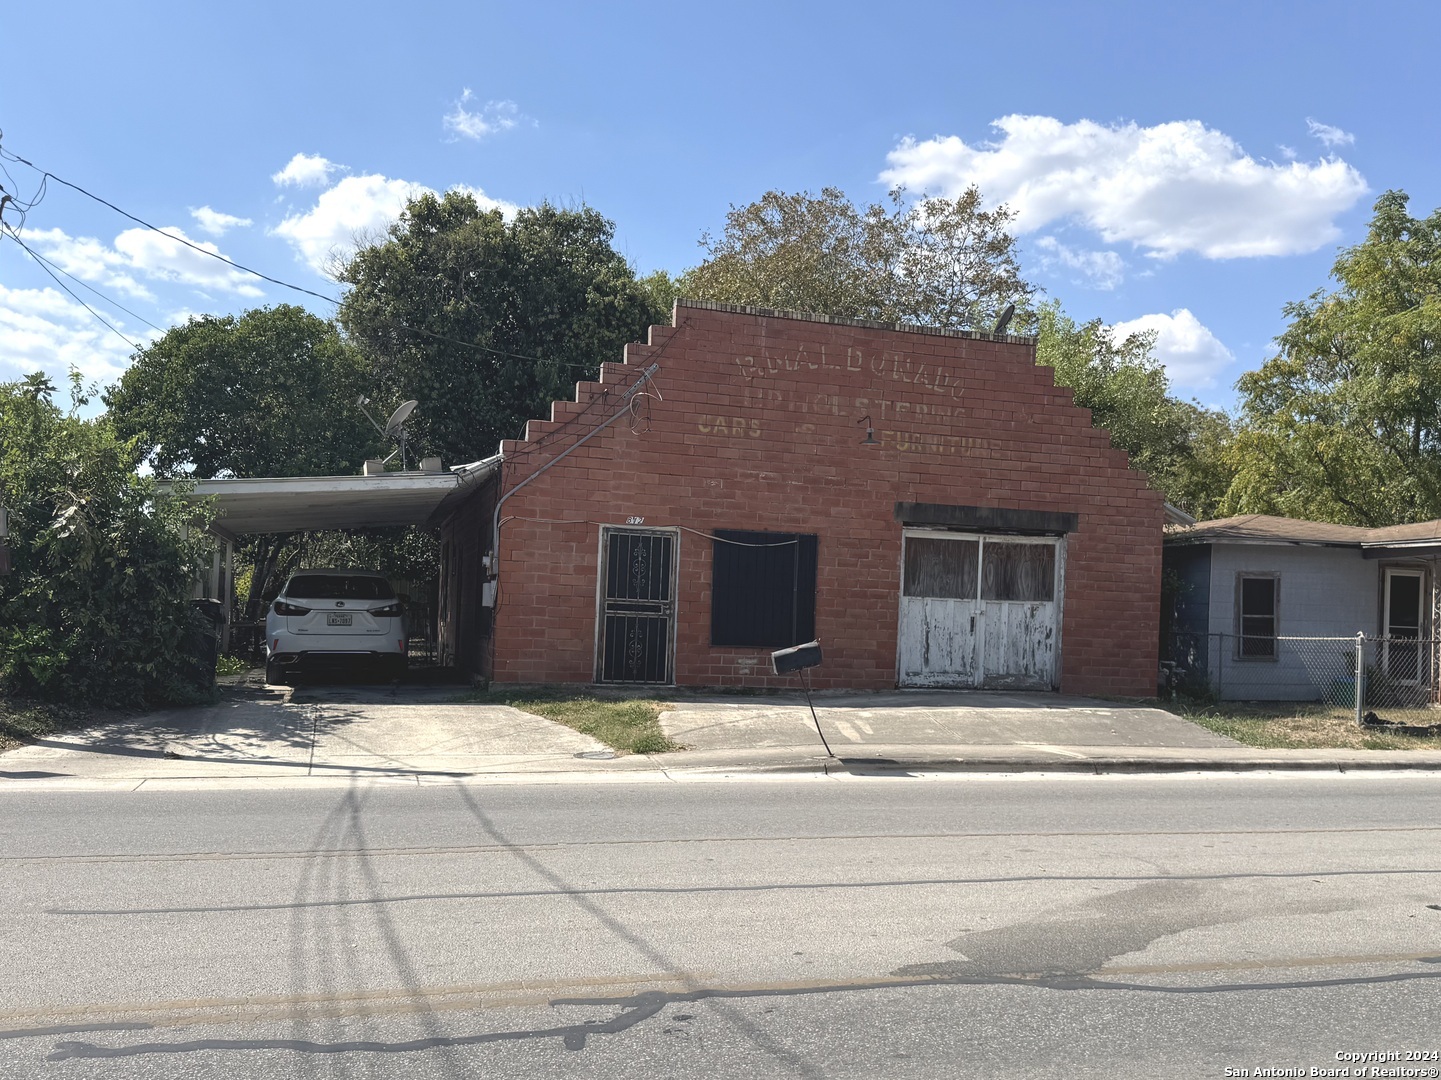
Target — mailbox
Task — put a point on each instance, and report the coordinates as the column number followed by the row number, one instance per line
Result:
column 796, row 658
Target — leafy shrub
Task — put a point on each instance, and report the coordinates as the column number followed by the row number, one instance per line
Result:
column 230, row 665
column 97, row 606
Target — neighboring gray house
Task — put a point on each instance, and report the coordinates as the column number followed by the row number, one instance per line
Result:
column 1248, row 600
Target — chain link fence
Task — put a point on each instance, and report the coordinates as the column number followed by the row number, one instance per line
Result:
column 1399, row 677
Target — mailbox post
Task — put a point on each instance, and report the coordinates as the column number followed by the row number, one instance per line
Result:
column 802, row 658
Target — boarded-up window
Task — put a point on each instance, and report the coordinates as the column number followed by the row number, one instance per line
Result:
column 1018, row 572
column 1256, row 616
column 940, row 568
column 763, row 588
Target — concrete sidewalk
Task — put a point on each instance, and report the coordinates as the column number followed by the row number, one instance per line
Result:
column 974, row 731
column 420, row 734
column 263, row 731
column 855, row 722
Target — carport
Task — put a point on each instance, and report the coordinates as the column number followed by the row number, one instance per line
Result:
column 246, row 506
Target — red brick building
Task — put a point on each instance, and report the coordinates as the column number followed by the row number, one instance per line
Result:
column 926, row 503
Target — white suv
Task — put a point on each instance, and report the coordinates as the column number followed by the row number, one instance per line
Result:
column 323, row 619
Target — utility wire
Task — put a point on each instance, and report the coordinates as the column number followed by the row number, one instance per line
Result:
column 467, row 344
column 47, row 176
column 10, row 233
column 178, row 239
column 599, row 398
column 84, row 285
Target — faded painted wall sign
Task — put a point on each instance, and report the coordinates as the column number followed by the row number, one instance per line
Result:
column 733, row 426
column 922, row 374
column 925, row 442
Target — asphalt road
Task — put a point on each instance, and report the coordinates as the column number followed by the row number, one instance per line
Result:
column 901, row 927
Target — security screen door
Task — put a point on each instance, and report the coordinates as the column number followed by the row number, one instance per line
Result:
column 979, row 611
column 637, row 606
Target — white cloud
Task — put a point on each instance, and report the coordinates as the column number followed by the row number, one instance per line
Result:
column 1331, row 136
column 160, row 256
column 153, row 254
column 1172, row 188
column 305, row 170
column 484, row 201
column 214, row 223
column 358, row 206
column 44, row 330
column 88, row 259
column 1102, row 270
column 492, row 117
column 1192, row 355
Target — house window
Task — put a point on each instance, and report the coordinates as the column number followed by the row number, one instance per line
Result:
column 1256, row 606
column 763, row 588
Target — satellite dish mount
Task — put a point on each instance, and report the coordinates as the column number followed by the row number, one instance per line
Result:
column 394, row 427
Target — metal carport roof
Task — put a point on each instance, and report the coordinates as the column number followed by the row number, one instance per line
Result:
column 248, row 505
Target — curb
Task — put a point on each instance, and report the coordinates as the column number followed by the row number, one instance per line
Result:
column 1096, row 766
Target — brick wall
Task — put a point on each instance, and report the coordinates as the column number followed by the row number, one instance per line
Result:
column 752, row 422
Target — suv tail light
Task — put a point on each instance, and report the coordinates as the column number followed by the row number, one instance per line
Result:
column 282, row 608
column 390, row 611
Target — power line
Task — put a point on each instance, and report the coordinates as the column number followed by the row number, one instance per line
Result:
column 598, row 399
column 47, row 176
column 178, row 239
column 467, row 344
column 10, row 233
column 84, row 285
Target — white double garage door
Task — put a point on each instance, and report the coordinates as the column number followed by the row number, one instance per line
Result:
column 980, row 610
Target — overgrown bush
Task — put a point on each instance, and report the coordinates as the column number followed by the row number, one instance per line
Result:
column 96, row 608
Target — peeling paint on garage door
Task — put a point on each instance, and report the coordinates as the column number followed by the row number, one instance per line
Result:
column 979, row 611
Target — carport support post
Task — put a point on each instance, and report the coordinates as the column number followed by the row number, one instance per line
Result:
column 229, row 597
column 1360, row 675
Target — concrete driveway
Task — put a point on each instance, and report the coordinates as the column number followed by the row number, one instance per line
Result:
column 408, row 732
column 420, row 733
column 931, row 723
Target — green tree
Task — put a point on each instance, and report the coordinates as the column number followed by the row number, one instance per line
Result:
column 1178, row 444
column 661, row 292
column 270, row 393
column 96, row 607
column 936, row 262
column 487, row 321
column 1344, row 423
column 1203, row 475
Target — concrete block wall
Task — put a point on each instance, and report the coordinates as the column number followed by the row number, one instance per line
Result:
column 1324, row 592
column 755, row 421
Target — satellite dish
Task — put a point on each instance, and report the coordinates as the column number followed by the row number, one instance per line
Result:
column 399, row 417
column 1005, row 319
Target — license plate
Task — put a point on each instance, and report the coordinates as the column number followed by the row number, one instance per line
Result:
column 339, row 620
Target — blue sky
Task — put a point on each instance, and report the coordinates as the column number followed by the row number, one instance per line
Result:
column 1188, row 170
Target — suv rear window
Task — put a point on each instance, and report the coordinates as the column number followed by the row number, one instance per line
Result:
column 338, row 587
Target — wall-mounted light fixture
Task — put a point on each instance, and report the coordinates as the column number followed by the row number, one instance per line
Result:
column 870, row 439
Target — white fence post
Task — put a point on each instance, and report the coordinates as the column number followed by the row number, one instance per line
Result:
column 1360, row 674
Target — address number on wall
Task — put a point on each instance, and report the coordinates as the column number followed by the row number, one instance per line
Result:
column 635, row 520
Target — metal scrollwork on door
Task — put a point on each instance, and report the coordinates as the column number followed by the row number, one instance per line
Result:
column 639, row 569
column 638, row 604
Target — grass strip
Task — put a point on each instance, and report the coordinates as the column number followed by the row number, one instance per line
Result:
column 628, row 724
column 1293, row 726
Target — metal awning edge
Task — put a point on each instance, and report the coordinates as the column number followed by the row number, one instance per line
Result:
column 477, row 472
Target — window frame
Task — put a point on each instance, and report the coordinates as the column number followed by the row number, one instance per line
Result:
column 724, row 593
column 1239, row 653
